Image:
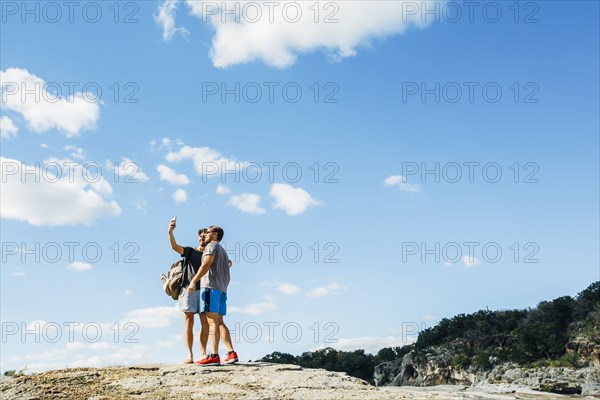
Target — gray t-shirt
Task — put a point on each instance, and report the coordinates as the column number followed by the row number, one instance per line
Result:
column 217, row 276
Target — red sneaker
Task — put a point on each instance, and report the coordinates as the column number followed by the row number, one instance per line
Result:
column 232, row 358
column 210, row 361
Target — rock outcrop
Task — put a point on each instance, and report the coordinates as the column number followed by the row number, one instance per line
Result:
column 250, row 381
column 436, row 368
column 587, row 352
column 164, row 381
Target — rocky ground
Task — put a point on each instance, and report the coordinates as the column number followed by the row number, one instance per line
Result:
column 436, row 367
column 242, row 381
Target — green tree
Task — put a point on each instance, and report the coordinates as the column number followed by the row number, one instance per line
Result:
column 279, row 358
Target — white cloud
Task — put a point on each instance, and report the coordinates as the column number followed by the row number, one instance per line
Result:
column 36, row 326
column 399, row 181
column 128, row 292
column 470, row 261
column 166, row 19
column 430, row 318
column 68, row 198
column 83, row 353
column 79, row 266
column 19, row 272
column 153, row 317
column 207, row 162
column 165, row 144
column 287, row 288
column 125, row 356
column 8, row 128
column 222, row 189
column 141, row 204
column 328, row 290
column 43, row 328
column 255, row 308
column 180, row 196
column 246, row 202
column 292, row 200
column 126, row 171
column 341, row 29
column 76, row 356
column 77, row 152
column 177, row 338
column 370, row 344
column 44, row 110
column 171, row 176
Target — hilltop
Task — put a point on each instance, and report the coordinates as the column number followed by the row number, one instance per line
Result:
column 248, row 381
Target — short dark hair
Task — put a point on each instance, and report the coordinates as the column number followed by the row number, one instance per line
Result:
column 202, row 230
column 219, row 231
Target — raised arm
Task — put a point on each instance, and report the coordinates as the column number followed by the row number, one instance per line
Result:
column 174, row 244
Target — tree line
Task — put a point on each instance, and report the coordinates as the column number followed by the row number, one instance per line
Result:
column 534, row 336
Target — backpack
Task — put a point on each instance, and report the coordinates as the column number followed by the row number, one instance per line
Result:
column 171, row 283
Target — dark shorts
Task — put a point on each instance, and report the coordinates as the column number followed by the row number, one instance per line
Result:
column 213, row 300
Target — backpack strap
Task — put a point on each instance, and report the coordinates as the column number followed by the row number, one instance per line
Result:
column 184, row 267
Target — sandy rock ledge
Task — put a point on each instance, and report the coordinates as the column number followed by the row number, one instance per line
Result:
column 260, row 381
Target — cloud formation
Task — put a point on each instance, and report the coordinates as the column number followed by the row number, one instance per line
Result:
column 79, row 266
column 126, row 171
column 180, row 196
column 207, row 162
column 44, row 110
column 277, row 34
column 370, row 344
column 153, row 317
column 246, row 202
column 166, row 19
column 322, row 291
column 291, row 200
column 171, row 176
column 57, row 192
column 8, row 129
column 255, row 308
column 400, row 182
column 223, row 189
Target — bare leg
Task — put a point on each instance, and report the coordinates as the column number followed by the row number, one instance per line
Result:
column 203, row 336
column 215, row 321
column 189, row 336
column 226, row 337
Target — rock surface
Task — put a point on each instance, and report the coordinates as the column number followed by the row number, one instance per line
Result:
column 243, row 381
column 588, row 352
column 437, row 369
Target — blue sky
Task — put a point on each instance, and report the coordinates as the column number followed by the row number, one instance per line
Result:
column 346, row 158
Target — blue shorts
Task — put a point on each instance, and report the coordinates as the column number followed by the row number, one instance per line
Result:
column 189, row 301
column 213, row 300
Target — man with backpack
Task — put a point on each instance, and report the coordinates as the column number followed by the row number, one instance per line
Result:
column 189, row 302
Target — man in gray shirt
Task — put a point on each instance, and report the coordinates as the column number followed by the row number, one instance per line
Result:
column 214, row 276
